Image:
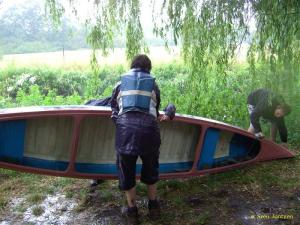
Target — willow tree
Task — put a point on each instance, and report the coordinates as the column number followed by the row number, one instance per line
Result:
column 208, row 31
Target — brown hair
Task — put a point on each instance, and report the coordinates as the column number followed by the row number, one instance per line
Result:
column 141, row 61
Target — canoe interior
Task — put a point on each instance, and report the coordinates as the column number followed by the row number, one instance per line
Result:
column 46, row 143
column 223, row 148
column 41, row 143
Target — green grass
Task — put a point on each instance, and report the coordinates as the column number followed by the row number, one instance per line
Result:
column 36, row 198
column 141, row 188
column 69, row 194
column 37, row 210
column 21, row 208
column 106, row 196
column 3, row 202
column 201, row 219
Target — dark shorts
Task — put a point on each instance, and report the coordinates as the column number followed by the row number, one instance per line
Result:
column 126, row 165
column 137, row 134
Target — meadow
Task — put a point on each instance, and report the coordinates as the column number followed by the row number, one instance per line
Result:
column 227, row 198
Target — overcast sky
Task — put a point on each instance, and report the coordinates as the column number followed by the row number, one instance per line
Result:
column 84, row 9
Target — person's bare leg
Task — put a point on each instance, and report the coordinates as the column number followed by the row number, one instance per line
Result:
column 251, row 129
column 273, row 131
column 131, row 212
column 153, row 204
column 131, row 197
column 152, row 190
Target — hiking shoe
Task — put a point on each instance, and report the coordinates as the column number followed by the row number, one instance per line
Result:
column 130, row 215
column 154, row 209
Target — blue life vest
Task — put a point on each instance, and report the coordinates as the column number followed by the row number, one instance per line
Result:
column 137, row 93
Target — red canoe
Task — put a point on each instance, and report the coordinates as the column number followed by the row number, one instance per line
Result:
column 78, row 141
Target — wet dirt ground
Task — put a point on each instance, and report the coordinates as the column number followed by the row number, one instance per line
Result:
column 242, row 209
column 226, row 206
column 274, row 209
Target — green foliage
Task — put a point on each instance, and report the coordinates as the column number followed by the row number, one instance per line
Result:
column 32, row 98
column 56, row 10
column 223, row 100
column 277, row 40
column 134, row 31
column 64, row 83
column 210, row 32
column 101, row 81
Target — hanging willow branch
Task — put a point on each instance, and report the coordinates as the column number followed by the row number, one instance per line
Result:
column 209, row 32
column 108, row 19
column 277, row 39
column 56, row 11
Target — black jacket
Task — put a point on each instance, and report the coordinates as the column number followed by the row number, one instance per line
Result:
column 265, row 102
column 99, row 102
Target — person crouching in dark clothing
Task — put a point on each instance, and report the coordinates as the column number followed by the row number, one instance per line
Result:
column 135, row 103
column 272, row 107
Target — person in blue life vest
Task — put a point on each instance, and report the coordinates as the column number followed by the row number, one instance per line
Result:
column 272, row 107
column 135, row 103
